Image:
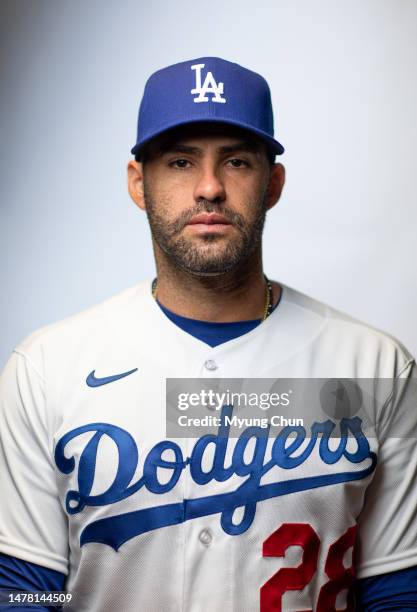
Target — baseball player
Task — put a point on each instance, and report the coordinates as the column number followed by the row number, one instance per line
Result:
column 97, row 500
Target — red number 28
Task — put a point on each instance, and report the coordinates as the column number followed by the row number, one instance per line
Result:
column 296, row 578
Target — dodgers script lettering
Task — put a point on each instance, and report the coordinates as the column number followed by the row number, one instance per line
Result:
column 115, row 530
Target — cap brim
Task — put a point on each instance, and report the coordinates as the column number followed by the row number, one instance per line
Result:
column 275, row 146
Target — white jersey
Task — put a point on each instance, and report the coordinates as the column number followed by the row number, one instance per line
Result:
column 91, row 487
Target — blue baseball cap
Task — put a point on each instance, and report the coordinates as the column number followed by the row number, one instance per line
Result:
column 207, row 89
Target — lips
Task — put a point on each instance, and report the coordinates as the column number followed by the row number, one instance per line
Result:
column 209, row 219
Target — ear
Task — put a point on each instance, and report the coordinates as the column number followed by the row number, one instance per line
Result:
column 276, row 184
column 135, row 183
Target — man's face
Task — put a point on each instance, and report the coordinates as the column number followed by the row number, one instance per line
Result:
column 205, row 192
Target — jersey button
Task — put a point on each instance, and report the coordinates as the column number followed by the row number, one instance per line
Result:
column 210, row 364
column 205, row 537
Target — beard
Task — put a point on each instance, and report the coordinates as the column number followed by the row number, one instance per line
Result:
column 208, row 254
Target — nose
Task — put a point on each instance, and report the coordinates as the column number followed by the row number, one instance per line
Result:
column 209, row 186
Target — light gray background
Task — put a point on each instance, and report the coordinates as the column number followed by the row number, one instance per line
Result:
column 343, row 79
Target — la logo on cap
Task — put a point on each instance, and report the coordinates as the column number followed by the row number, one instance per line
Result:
column 169, row 96
column 209, row 86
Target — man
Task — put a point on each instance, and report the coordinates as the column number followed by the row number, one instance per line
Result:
column 99, row 500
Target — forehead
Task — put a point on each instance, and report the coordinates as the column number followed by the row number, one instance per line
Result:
column 201, row 134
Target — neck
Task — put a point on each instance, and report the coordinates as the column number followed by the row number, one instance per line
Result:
column 238, row 295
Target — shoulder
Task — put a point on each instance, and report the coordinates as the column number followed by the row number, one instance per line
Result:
column 337, row 335
column 110, row 318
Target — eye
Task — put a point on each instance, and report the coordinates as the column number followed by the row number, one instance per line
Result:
column 180, row 163
column 236, row 162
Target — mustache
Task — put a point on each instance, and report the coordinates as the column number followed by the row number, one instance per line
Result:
column 205, row 206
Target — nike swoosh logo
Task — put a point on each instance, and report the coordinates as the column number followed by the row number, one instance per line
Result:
column 93, row 381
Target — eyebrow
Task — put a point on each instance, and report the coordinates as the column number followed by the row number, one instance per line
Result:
column 176, row 147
